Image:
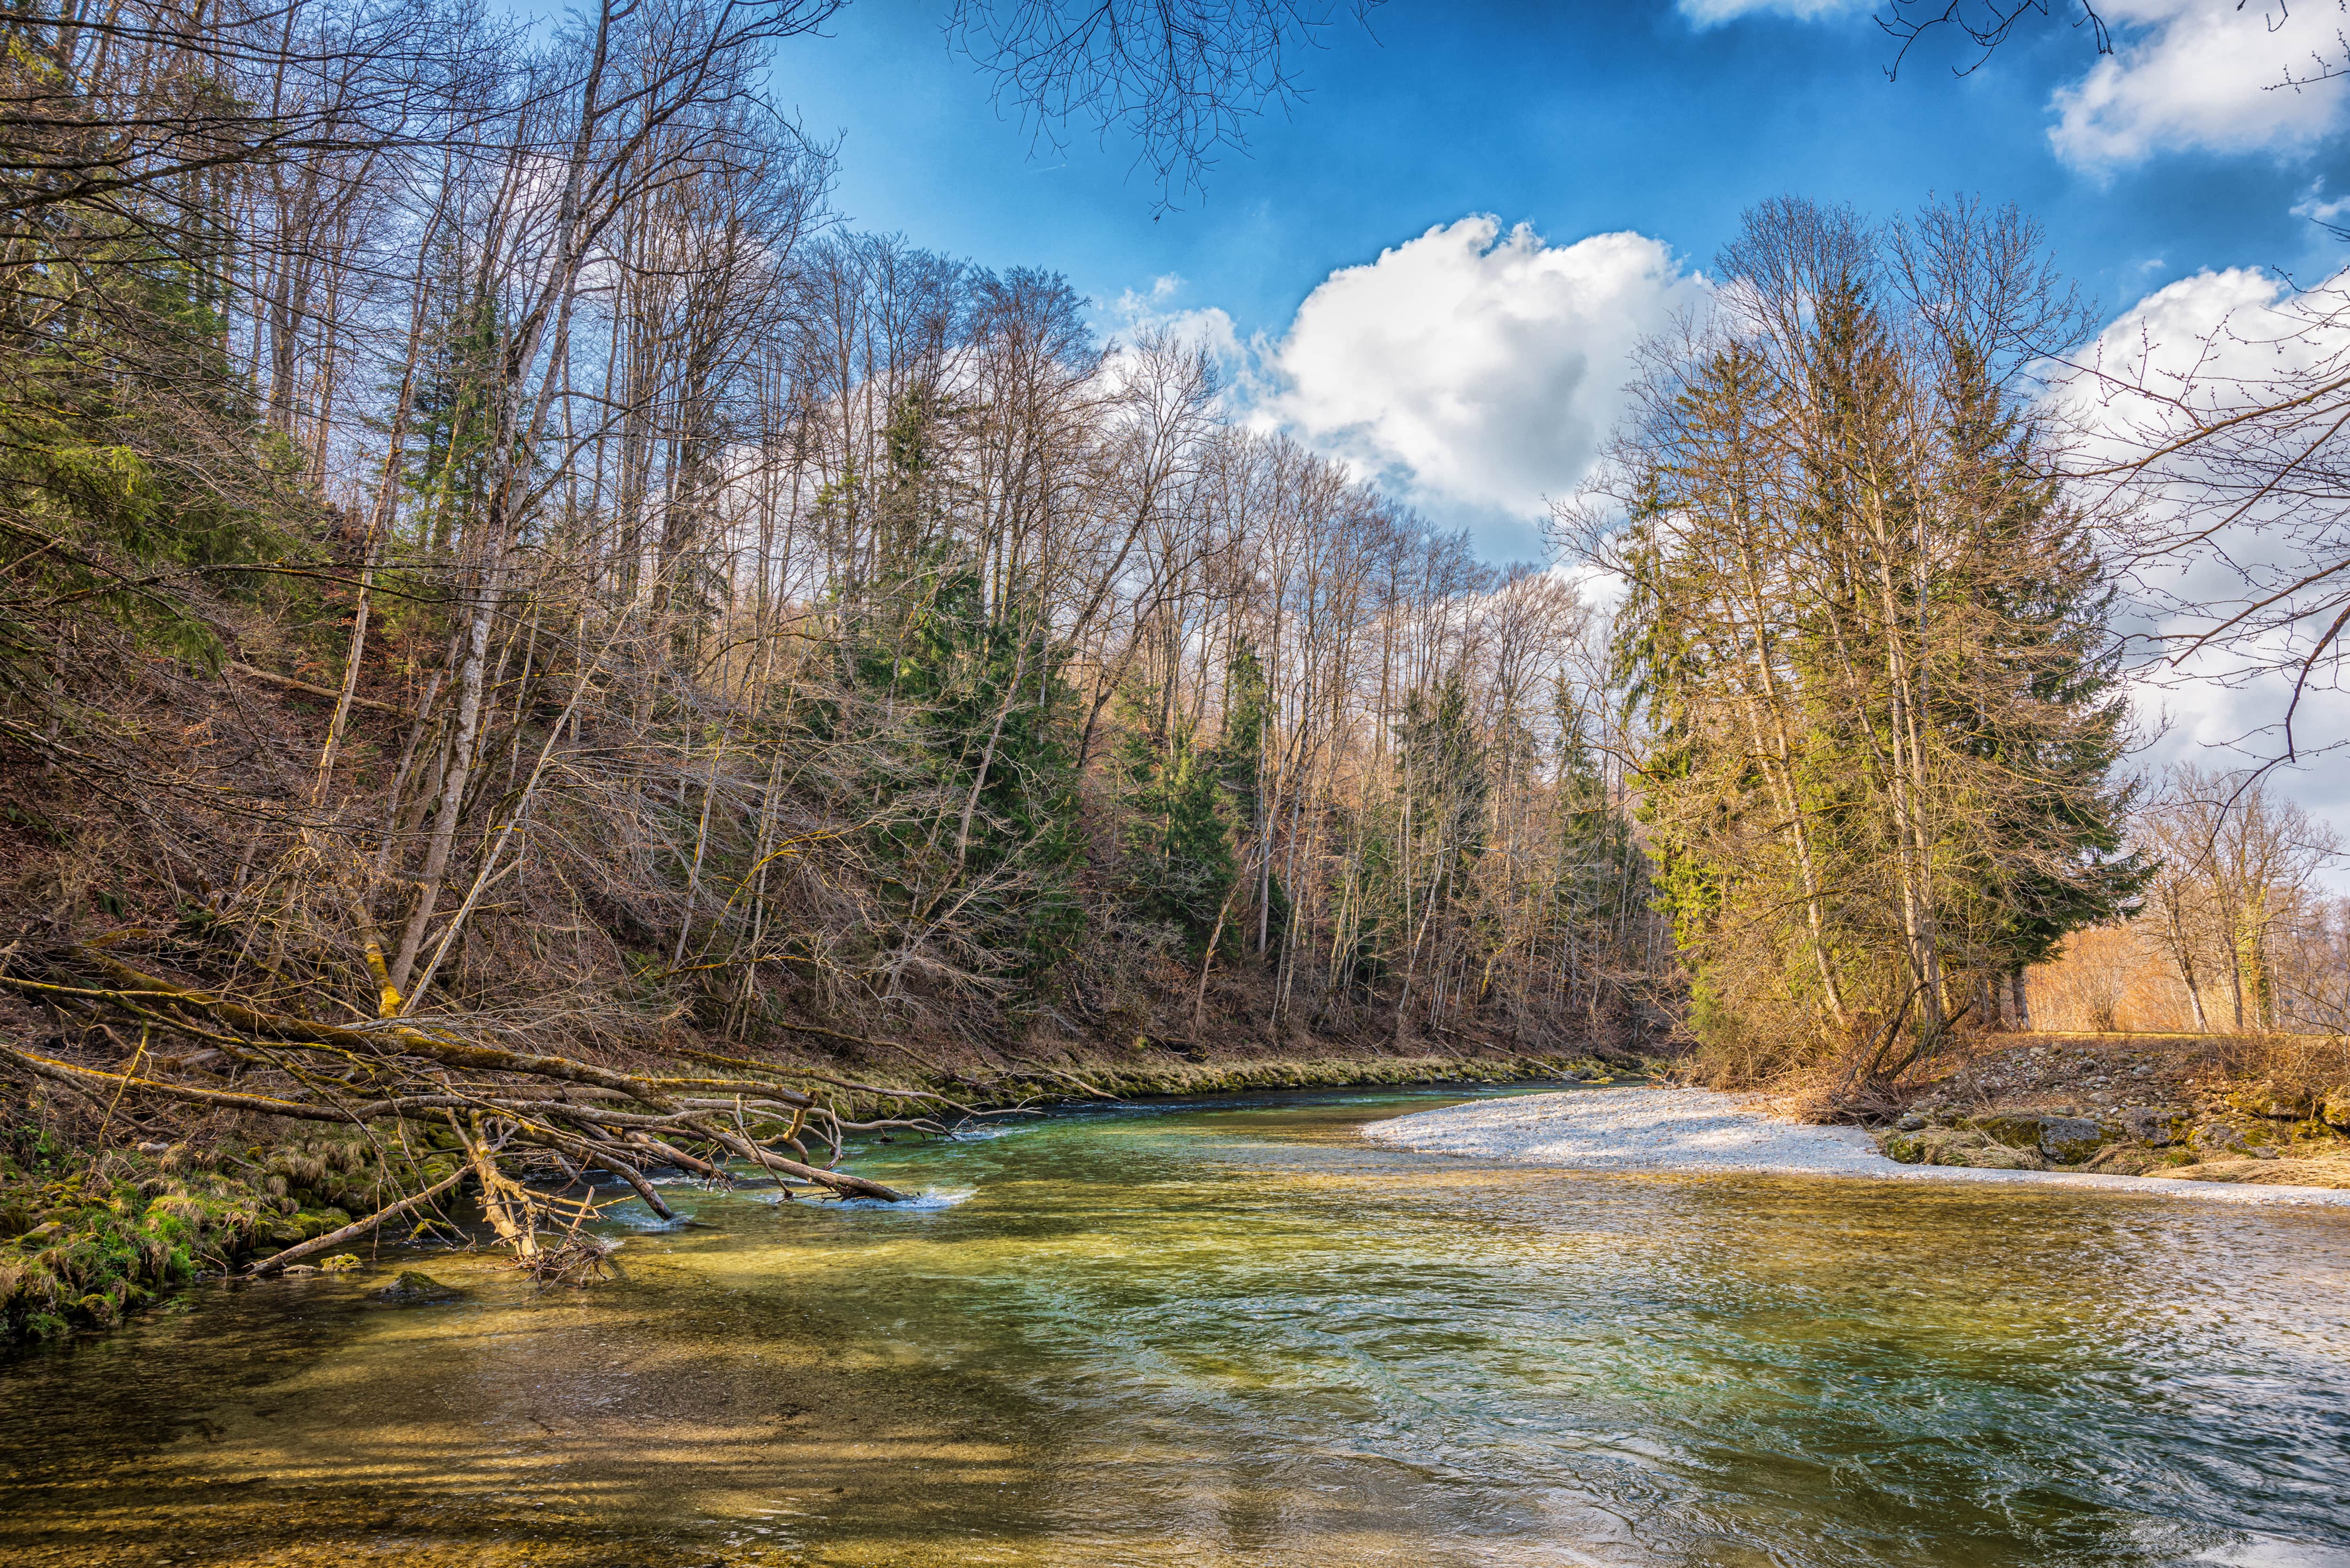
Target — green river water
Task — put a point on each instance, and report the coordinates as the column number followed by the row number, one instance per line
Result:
column 1234, row 1332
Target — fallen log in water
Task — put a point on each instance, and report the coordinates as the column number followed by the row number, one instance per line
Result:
column 399, row 1080
column 354, row 1230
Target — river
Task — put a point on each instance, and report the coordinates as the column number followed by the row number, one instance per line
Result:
column 1234, row 1332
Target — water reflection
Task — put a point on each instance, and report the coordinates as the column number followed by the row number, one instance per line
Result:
column 1211, row 1334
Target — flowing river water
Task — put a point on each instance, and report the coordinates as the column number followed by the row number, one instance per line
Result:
column 1234, row 1332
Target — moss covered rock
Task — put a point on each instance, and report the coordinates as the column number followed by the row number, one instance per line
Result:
column 2069, row 1140
column 2156, row 1127
column 87, row 1234
column 2273, row 1102
column 2015, row 1129
column 1962, row 1145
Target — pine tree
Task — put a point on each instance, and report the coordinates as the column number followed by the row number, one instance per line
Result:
column 2051, row 859
column 1178, row 845
column 1871, row 644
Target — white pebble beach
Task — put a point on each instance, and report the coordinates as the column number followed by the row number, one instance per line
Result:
column 1699, row 1132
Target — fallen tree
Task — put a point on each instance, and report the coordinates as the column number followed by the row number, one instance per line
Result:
column 520, row 1116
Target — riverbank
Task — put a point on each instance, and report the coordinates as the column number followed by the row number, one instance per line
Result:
column 1092, row 1081
column 1699, row 1131
column 89, row 1233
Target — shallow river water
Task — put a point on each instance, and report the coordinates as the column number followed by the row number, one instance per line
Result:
column 1234, row 1332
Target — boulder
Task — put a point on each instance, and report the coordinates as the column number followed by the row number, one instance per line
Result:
column 1934, row 1145
column 2015, row 1129
column 2216, row 1138
column 2068, row 1140
column 2334, row 1108
column 2270, row 1101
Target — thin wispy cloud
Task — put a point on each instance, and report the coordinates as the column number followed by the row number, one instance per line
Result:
column 1714, row 13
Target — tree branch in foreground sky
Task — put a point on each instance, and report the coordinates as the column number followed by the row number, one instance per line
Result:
column 1184, row 77
column 1985, row 23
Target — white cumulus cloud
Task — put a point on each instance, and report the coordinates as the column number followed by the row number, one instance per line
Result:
column 2203, row 75
column 2216, row 343
column 1472, row 366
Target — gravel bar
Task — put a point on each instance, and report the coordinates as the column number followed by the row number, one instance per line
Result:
column 1699, row 1132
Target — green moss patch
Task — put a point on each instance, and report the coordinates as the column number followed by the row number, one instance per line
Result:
column 87, row 1234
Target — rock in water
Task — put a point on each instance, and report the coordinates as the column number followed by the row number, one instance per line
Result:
column 412, row 1289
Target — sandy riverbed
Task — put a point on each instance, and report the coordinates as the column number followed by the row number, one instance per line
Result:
column 1699, row 1131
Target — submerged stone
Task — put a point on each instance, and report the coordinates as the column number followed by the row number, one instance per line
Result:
column 414, row 1289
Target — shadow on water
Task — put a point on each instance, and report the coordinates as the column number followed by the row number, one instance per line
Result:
column 1234, row 1333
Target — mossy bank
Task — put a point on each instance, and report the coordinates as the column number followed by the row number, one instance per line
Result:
column 88, row 1233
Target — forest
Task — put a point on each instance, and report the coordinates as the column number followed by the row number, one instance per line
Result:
column 509, row 609
column 533, row 649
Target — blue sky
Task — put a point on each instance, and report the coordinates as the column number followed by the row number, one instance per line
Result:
column 1580, row 119
column 1588, row 120
column 1363, row 298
